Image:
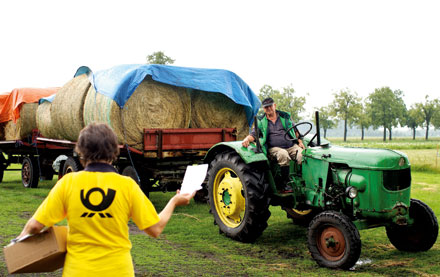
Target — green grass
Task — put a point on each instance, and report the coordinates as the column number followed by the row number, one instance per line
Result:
column 192, row 246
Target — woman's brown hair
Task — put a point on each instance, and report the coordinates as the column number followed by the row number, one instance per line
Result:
column 97, row 142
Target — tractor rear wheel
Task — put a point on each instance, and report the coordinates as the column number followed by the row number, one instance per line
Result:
column 334, row 241
column 238, row 197
column 421, row 235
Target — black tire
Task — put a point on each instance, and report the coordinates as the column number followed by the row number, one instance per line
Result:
column 131, row 172
column 3, row 166
column 421, row 235
column 334, row 241
column 47, row 173
column 29, row 172
column 300, row 217
column 238, row 197
column 72, row 164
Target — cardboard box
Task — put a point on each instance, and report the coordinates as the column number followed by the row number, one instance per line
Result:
column 43, row 252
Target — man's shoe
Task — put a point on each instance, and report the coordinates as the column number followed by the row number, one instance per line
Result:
column 287, row 189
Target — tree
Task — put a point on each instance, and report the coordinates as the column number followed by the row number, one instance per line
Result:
column 429, row 109
column 436, row 117
column 159, row 58
column 286, row 100
column 346, row 106
column 325, row 120
column 363, row 120
column 414, row 118
column 386, row 108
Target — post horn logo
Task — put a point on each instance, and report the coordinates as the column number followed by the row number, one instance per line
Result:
column 107, row 200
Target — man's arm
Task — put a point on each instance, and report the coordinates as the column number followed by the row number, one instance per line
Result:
column 167, row 212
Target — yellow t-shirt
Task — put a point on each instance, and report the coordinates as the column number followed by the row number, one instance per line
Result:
column 98, row 206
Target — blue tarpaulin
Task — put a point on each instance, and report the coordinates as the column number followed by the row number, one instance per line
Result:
column 48, row 99
column 121, row 81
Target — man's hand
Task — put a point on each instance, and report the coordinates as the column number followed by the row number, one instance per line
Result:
column 247, row 140
column 301, row 144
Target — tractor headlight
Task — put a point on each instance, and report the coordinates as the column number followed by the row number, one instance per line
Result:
column 351, row 192
column 401, row 161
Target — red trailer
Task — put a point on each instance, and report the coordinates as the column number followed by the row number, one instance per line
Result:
column 159, row 166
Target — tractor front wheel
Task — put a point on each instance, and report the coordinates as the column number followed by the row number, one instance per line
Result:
column 334, row 241
column 419, row 236
column 238, row 197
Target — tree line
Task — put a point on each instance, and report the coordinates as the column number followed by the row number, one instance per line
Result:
column 383, row 108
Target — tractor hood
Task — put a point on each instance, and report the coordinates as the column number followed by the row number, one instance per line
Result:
column 364, row 158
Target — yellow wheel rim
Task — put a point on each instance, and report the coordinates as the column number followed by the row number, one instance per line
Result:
column 302, row 212
column 228, row 197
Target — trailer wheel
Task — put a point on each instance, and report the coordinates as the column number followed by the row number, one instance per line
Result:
column 29, row 172
column 47, row 173
column 3, row 166
column 131, row 172
column 72, row 164
column 421, row 235
column 238, row 197
column 333, row 240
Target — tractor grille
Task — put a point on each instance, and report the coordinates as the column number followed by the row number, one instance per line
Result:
column 395, row 180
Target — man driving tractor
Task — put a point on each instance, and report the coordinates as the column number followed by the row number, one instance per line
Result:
column 273, row 126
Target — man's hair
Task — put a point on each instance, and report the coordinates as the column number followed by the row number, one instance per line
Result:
column 97, row 142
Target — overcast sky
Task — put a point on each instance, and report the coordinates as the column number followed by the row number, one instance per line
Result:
column 318, row 47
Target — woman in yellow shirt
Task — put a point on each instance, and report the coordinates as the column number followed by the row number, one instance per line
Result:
column 98, row 203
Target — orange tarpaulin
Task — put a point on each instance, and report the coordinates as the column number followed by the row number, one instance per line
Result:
column 10, row 104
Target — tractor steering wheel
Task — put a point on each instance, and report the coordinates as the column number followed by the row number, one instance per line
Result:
column 287, row 137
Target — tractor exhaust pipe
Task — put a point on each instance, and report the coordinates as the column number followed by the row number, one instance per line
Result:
column 318, row 134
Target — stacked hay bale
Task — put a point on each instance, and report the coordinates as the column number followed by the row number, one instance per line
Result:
column 66, row 111
column 24, row 125
column 2, row 130
column 215, row 110
column 44, row 120
column 152, row 105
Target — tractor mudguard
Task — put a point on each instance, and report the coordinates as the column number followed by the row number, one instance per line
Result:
column 248, row 155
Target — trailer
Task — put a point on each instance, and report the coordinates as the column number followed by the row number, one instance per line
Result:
column 160, row 165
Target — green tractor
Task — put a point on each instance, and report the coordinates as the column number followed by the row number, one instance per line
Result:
column 336, row 192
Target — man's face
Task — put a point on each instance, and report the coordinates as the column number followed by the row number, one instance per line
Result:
column 270, row 110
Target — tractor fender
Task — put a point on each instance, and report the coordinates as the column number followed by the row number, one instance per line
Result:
column 248, row 155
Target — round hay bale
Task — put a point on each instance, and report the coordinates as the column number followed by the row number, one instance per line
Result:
column 44, row 121
column 215, row 110
column 102, row 109
column 2, row 130
column 67, row 108
column 152, row 105
column 25, row 124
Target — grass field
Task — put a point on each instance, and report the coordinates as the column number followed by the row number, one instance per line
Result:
column 192, row 246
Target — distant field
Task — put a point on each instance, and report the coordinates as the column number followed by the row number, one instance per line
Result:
column 396, row 143
column 423, row 155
